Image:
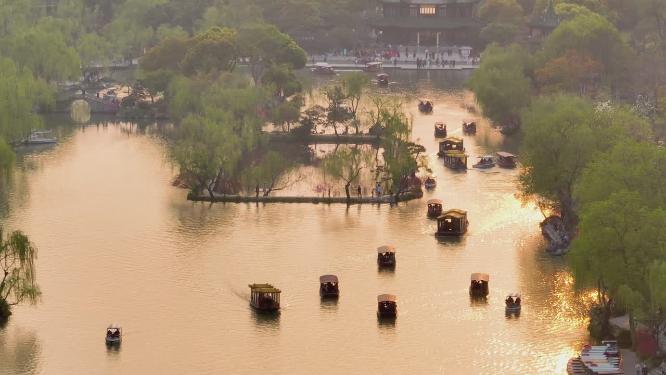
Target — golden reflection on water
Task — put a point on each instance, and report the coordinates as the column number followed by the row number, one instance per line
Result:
column 119, row 243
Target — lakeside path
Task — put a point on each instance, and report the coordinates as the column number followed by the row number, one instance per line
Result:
column 311, row 199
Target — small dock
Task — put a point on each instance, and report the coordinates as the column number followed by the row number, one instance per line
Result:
column 386, row 199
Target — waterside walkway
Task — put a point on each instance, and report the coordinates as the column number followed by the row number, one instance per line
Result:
column 312, row 199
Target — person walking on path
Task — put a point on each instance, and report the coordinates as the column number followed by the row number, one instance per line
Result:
column 359, row 191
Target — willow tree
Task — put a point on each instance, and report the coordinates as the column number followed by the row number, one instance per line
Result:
column 17, row 272
column 346, row 164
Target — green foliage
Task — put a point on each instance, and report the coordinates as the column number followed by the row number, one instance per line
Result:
column 619, row 239
column 353, row 85
column 20, row 94
column 45, row 53
column 500, row 84
column 504, row 19
column 205, row 151
column 94, row 49
column 591, row 34
column 562, row 135
column 346, row 164
column 264, row 45
column 17, row 271
column 283, row 80
column 6, row 155
column 268, row 172
column 211, row 51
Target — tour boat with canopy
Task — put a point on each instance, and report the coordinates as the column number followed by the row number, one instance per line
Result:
column 328, row 286
column 386, row 256
column 387, row 306
column 430, row 182
column 425, row 105
column 478, row 286
column 452, row 223
column 469, row 127
column 382, row 79
column 513, row 303
column 434, row 208
column 440, row 130
column 114, row 335
column 264, row 297
column 506, row 160
column 485, row 162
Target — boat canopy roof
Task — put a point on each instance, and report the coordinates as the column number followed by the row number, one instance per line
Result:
column 435, row 201
column 115, row 326
column 374, row 63
column 513, row 295
column 453, row 139
column 380, row 75
column 454, row 212
column 480, row 277
column 387, row 298
column 322, row 65
column 328, row 279
column 386, row 249
column 264, row 288
column 486, row 157
column 503, row 154
column 425, row 100
column 439, row 123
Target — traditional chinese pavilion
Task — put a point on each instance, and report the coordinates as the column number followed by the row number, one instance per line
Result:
column 427, row 22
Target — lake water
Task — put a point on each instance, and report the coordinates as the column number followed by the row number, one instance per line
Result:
column 118, row 243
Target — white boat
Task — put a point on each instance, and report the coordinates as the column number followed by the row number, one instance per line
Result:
column 114, row 335
column 40, row 138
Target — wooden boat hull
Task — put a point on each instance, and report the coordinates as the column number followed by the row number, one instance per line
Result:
column 506, row 165
column 512, row 310
column 483, row 166
column 113, row 340
column 440, row 133
column 40, row 142
column 449, row 234
column 383, row 315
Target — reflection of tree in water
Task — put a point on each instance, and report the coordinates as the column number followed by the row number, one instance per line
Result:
column 19, row 351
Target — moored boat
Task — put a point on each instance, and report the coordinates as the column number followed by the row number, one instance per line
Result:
column 323, row 68
column 40, row 138
column 430, row 183
column 373, row 66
